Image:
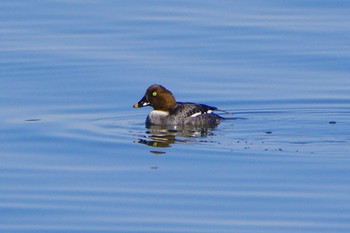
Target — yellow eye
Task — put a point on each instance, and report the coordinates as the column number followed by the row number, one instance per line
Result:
column 154, row 93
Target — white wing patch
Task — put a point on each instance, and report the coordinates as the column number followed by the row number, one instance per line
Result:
column 196, row 114
column 201, row 113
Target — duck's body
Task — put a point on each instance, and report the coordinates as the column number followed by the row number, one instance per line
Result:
column 169, row 112
column 184, row 114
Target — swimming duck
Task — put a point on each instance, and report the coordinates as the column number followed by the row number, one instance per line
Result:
column 169, row 112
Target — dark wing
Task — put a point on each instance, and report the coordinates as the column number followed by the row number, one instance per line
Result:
column 187, row 109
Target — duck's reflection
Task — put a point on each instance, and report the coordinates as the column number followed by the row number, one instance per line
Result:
column 164, row 136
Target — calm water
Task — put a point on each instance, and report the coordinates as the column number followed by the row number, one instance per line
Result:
column 76, row 157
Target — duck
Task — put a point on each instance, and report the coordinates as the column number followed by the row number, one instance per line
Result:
column 167, row 111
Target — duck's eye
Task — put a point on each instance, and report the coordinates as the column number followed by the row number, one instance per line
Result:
column 154, row 93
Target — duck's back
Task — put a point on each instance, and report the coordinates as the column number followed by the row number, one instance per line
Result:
column 195, row 114
column 185, row 114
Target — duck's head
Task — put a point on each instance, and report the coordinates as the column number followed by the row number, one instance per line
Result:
column 158, row 97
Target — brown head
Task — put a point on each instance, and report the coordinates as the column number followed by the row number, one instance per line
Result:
column 158, row 97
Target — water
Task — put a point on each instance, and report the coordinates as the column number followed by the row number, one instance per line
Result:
column 76, row 157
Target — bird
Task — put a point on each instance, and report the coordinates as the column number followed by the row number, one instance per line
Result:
column 167, row 111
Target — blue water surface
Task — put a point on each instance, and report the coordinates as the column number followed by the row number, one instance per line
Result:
column 76, row 157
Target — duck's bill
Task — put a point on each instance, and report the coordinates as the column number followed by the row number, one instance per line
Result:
column 142, row 103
